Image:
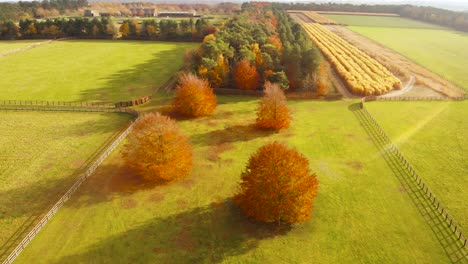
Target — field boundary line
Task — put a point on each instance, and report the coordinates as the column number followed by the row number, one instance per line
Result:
column 36, row 105
column 415, row 98
column 428, row 195
column 34, row 45
column 94, row 165
column 41, row 103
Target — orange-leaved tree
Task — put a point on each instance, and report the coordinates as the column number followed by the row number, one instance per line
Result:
column 275, row 41
column 157, row 150
column 322, row 81
column 246, row 75
column 194, row 96
column 273, row 112
column 277, row 185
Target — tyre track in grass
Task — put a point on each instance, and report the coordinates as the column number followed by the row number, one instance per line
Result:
column 8, row 53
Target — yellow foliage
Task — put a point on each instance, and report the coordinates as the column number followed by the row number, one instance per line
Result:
column 362, row 74
column 209, row 37
column 125, row 29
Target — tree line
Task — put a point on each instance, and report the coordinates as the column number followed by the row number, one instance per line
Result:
column 438, row 16
column 167, row 29
column 39, row 9
column 261, row 44
column 54, row 8
column 103, row 27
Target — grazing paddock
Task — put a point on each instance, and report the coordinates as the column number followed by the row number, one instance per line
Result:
column 109, row 71
column 361, row 214
column 41, row 155
column 433, row 137
column 380, row 21
column 358, row 13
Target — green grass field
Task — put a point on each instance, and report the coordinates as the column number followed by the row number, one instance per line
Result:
column 6, row 46
column 380, row 21
column 108, row 71
column 361, row 215
column 41, row 154
column 433, row 137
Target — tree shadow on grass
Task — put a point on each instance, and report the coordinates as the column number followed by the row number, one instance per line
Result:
column 100, row 126
column 139, row 80
column 21, row 208
column 230, row 134
column 233, row 99
column 160, row 102
column 208, row 234
column 114, row 179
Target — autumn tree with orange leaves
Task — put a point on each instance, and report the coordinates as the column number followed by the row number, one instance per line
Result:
column 246, row 75
column 194, row 96
column 273, row 112
column 322, row 81
column 157, row 150
column 277, row 185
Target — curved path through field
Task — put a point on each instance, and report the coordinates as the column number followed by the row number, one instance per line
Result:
column 409, row 85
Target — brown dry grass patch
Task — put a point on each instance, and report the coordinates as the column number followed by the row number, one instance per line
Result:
column 156, row 197
column 355, row 165
column 182, row 204
column 215, row 151
column 184, row 240
column 128, row 203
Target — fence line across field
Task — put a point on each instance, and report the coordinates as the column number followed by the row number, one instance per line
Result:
column 54, row 103
column 67, row 106
column 71, row 109
column 414, row 98
column 19, row 248
column 429, row 195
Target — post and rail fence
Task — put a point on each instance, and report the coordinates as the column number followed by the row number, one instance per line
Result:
column 121, row 108
column 39, row 103
column 455, row 228
column 414, row 98
column 36, row 105
column 66, row 106
column 134, row 102
column 19, row 248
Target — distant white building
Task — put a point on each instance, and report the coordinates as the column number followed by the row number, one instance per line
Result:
column 91, row 13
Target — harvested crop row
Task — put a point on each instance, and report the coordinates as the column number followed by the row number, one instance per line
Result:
column 319, row 18
column 362, row 74
column 315, row 17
